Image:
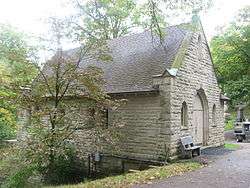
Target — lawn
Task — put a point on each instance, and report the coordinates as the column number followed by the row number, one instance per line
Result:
column 146, row 176
column 231, row 146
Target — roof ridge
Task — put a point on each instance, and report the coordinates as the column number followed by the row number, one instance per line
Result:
column 148, row 30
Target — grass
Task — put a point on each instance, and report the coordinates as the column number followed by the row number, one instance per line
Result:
column 231, row 146
column 146, row 176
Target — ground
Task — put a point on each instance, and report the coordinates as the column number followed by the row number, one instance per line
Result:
column 226, row 168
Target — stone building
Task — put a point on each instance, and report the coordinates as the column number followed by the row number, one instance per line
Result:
column 171, row 91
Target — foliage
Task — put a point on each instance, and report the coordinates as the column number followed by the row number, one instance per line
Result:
column 229, row 125
column 16, row 55
column 66, row 97
column 14, row 171
column 230, row 120
column 231, row 56
column 104, row 19
column 15, row 70
column 146, row 176
column 66, row 169
column 18, row 171
column 7, row 124
column 20, row 178
column 231, row 146
column 107, row 19
column 5, row 151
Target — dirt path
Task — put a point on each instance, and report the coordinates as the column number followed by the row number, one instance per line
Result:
column 229, row 170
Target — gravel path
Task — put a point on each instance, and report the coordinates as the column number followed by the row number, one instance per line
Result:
column 230, row 169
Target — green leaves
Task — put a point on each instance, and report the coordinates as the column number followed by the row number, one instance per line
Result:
column 105, row 19
column 231, row 54
column 15, row 70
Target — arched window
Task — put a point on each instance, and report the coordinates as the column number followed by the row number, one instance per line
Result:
column 214, row 115
column 184, row 116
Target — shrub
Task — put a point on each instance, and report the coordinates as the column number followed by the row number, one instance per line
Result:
column 229, row 125
column 66, row 169
column 7, row 125
column 21, row 177
column 14, row 170
column 20, row 172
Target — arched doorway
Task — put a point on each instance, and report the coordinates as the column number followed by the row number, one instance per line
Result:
column 200, row 118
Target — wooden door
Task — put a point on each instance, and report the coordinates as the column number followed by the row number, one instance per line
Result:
column 198, row 120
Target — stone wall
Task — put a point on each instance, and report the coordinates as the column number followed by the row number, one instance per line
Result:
column 143, row 134
column 22, row 122
column 196, row 73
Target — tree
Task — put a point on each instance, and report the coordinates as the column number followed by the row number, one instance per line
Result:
column 104, row 19
column 231, row 56
column 110, row 19
column 55, row 103
column 15, row 70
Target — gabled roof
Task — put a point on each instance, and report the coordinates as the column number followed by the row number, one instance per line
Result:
column 137, row 58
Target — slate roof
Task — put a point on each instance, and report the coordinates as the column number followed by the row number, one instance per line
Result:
column 136, row 59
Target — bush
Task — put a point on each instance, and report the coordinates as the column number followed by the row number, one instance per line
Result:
column 7, row 128
column 20, row 173
column 229, row 121
column 229, row 125
column 21, row 177
column 14, row 170
column 66, row 169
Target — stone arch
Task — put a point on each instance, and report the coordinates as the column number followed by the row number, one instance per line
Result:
column 204, row 101
column 200, row 117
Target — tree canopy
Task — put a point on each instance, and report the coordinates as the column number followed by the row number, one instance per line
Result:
column 15, row 70
column 108, row 19
column 231, row 55
column 105, row 18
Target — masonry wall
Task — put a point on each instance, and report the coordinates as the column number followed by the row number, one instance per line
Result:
column 144, row 134
column 196, row 73
column 145, row 131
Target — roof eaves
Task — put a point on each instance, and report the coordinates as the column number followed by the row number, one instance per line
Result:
column 153, row 91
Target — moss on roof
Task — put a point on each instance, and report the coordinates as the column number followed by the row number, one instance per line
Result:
column 179, row 58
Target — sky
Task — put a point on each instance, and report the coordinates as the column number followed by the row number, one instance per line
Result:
column 29, row 15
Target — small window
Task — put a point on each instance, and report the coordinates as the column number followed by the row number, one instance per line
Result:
column 214, row 115
column 184, row 116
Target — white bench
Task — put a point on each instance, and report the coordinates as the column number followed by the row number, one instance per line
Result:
column 188, row 147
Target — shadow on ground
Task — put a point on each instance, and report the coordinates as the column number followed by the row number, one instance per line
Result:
column 216, row 151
